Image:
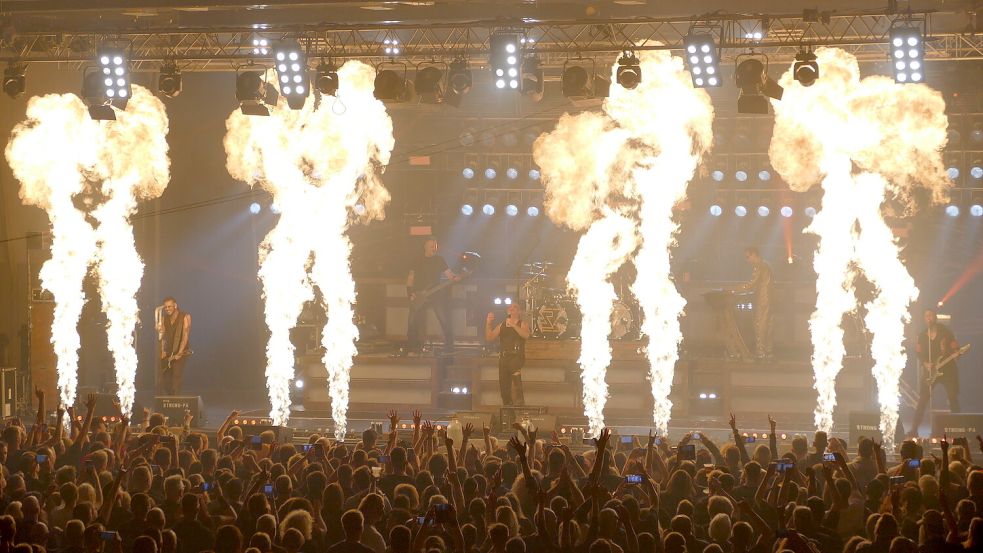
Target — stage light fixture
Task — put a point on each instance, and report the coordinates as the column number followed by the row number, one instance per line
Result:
column 741, row 175
column 952, row 210
column 261, row 46
column 764, row 211
column 467, row 209
column 534, row 174
column 740, row 211
column 255, row 208
column 391, row 46
column 94, row 96
column 326, row 79
column 468, row 173
column 977, row 133
column 629, row 72
column 14, row 80
column 786, row 211
column 275, row 208
column 490, row 173
column 756, row 86
column 252, row 93
column 391, row 85
column 428, row 84
column 459, row 81
column 115, row 67
column 976, row 210
column 716, row 210
column 488, row 209
column 292, row 73
column 805, row 70
column 511, row 210
column 952, row 172
column 717, row 175
column 532, row 211
column 976, row 169
column 504, row 59
column 531, row 82
column 702, row 60
column 810, row 212
column 907, row 54
column 169, row 80
column 764, row 175
column 512, row 173
column 579, row 81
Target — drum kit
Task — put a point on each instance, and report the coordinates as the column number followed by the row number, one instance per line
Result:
column 555, row 313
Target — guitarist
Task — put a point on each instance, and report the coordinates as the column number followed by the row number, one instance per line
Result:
column 935, row 344
column 424, row 275
column 173, row 332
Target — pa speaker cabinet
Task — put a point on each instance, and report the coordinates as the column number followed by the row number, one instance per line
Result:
column 173, row 407
column 477, row 419
column 868, row 424
column 952, row 425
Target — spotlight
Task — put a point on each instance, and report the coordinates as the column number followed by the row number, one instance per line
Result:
column 511, row 210
column 261, row 46
column 291, row 70
column 764, row 175
column 740, row 211
column 532, row 211
column 359, row 209
column 976, row 170
column 13, row 80
column 756, row 87
column 255, row 208
column 169, row 80
column 299, row 384
column 467, row 209
column 702, row 59
column 512, row 173
column 468, row 173
column 428, row 84
column 629, row 72
column 763, row 211
column 806, row 68
column 952, row 210
column 275, row 208
column 115, row 76
column 531, row 78
column 504, row 60
column 786, row 211
column 907, row 54
column 717, row 175
column 508, row 301
column 952, row 172
column 741, row 175
column 488, row 209
column 391, row 46
column 534, row 174
column 976, row 210
column 490, row 173
column 497, row 301
column 810, row 212
column 580, row 83
column 326, row 79
column 391, row 86
column 977, row 133
column 716, row 210
column 459, row 81
column 252, row 92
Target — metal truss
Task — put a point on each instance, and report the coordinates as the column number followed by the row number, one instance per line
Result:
column 863, row 34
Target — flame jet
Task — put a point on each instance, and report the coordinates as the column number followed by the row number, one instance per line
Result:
column 617, row 175
column 869, row 143
column 317, row 163
column 89, row 176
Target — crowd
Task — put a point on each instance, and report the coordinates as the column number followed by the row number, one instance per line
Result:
column 83, row 487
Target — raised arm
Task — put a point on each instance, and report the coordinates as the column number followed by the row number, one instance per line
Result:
column 739, row 440
column 772, row 439
column 491, row 329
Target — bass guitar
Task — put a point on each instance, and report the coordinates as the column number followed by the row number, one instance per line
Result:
column 177, row 356
column 421, row 298
column 934, row 372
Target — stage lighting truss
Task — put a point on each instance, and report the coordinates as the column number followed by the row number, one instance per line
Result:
column 907, row 47
column 702, row 59
column 391, row 84
column 503, row 57
column 254, row 93
column 629, row 72
column 805, row 70
column 13, row 79
column 428, row 83
column 755, row 84
column 291, row 69
column 756, row 31
column 169, row 80
column 531, row 78
column 326, row 79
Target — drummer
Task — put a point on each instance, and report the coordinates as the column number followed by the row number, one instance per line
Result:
column 512, row 334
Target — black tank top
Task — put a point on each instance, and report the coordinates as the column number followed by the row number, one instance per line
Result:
column 173, row 333
column 511, row 343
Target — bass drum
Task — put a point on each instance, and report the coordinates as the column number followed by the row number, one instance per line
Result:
column 621, row 320
column 559, row 319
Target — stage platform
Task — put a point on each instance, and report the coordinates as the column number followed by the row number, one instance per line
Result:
column 705, row 388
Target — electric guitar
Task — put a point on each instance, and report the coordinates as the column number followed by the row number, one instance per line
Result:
column 177, row 356
column 933, row 368
column 421, row 298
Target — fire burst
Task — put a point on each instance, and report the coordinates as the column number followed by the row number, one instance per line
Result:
column 317, row 163
column 618, row 175
column 866, row 142
column 63, row 160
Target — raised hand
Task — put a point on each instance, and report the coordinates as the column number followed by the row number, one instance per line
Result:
column 393, row 419
column 733, row 422
column 467, row 431
column 90, row 402
column 417, row 417
column 602, row 440
column 39, row 393
column 448, row 442
column 772, row 423
column 519, row 447
column 944, row 443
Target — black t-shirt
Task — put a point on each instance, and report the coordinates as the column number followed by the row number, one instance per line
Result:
column 349, row 547
column 427, row 271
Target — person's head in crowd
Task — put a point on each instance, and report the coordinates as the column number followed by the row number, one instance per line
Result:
column 400, row 539
column 228, row 539
column 261, row 541
column 719, row 504
column 267, row 524
column 741, row 537
column 498, row 534
column 974, row 538
column 902, row 544
column 333, row 498
column 144, row 544
column 303, row 521
column 372, row 508
column 851, row 544
column 720, row 528
column 800, row 446
column 886, row 529
column 156, row 518
column 516, row 545
column 965, row 511
column 762, row 455
column 974, row 483
column 352, row 523
column 369, row 438
column 674, row 542
column 140, row 479
column 293, row 541
column 685, row 508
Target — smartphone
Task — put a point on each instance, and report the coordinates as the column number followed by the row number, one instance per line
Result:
column 633, row 479
column 268, row 490
column 206, row 486
column 696, row 436
column 444, row 512
column 41, row 458
column 749, row 439
column 687, row 452
column 627, row 439
column 658, row 441
column 897, row 480
column 307, row 447
column 783, row 465
column 420, row 521
column 829, row 457
column 256, row 442
column 383, row 459
column 155, row 469
column 912, row 463
column 108, row 536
